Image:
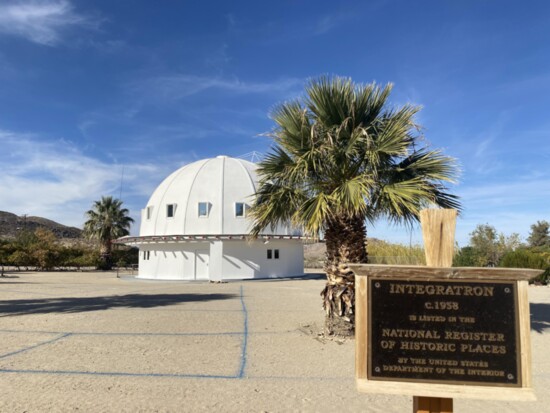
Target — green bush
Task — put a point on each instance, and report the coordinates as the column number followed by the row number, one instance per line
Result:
column 21, row 258
column 523, row 258
column 466, row 257
column 88, row 259
column 125, row 257
column 544, row 278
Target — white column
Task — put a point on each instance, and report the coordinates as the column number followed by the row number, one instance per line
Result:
column 216, row 260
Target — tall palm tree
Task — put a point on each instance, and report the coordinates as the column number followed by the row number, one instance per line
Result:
column 107, row 221
column 342, row 157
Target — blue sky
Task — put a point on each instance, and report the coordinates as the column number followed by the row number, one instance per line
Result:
column 93, row 91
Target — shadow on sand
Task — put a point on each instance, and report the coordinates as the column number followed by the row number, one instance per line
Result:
column 540, row 317
column 84, row 304
column 305, row 277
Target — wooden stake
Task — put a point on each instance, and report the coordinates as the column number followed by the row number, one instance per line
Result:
column 432, row 405
column 438, row 232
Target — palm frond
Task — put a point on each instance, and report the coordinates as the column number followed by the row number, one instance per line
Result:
column 432, row 165
column 313, row 213
column 275, row 204
column 352, row 196
column 340, row 151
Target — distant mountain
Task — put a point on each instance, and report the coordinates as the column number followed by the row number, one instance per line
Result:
column 11, row 224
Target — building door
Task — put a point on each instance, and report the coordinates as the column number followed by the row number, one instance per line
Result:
column 202, row 258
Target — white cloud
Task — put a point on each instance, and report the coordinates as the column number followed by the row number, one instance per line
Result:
column 177, row 86
column 483, row 146
column 40, row 21
column 331, row 21
column 218, row 58
column 511, row 192
column 57, row 181
column 512, row 205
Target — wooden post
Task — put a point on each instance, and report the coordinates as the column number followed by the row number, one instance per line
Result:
column 438, row 232
column 432, row 405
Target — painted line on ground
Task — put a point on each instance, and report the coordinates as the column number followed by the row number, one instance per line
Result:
column 242, row 368
column 239, row 375
column 119, row 374
column 91, row 333
column 86, row 333
column 183, row 310
column 13, row 353
column 176, row 375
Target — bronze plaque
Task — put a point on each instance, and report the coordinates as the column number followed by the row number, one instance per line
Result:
column 443, row 331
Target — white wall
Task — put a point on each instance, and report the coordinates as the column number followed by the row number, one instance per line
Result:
column 249, row 260
column 170, row 261
column 229, row 259
column 216, row 269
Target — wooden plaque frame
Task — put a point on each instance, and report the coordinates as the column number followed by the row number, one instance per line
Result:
column 438, row 389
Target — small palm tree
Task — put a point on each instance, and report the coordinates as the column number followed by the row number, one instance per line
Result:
column 341, row 158
column 107, row 221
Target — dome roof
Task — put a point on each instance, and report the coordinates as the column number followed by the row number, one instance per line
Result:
column 207, row 197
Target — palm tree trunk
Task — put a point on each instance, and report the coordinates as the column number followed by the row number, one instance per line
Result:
column 105, row 256
column 345, row 241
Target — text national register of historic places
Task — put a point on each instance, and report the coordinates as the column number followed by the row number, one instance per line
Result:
column 437, row 332
column 444, row 332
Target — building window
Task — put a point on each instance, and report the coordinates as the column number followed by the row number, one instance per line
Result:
column 170, row 209
column 146, row 255
column 148, row 212
column 272, row 254
column 240, row 209
column 203, row 209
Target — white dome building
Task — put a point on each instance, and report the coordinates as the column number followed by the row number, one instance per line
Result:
column 195, row 227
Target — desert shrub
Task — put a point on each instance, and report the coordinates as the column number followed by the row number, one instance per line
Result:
column 490, row 246
column 21, row 258
column 68, row 256
column 465, row 257
column 382, row 252
column 42, row 250
column 46, row 259
column 6, row 249
column 544, row 278
column 125, row 257
column 88, row 259
column 523, row 258
column 379, row 252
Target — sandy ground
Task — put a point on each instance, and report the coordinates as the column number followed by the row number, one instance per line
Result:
column 92, row 342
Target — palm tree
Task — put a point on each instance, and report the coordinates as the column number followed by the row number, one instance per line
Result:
column 341, row 158
column 107, row 221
